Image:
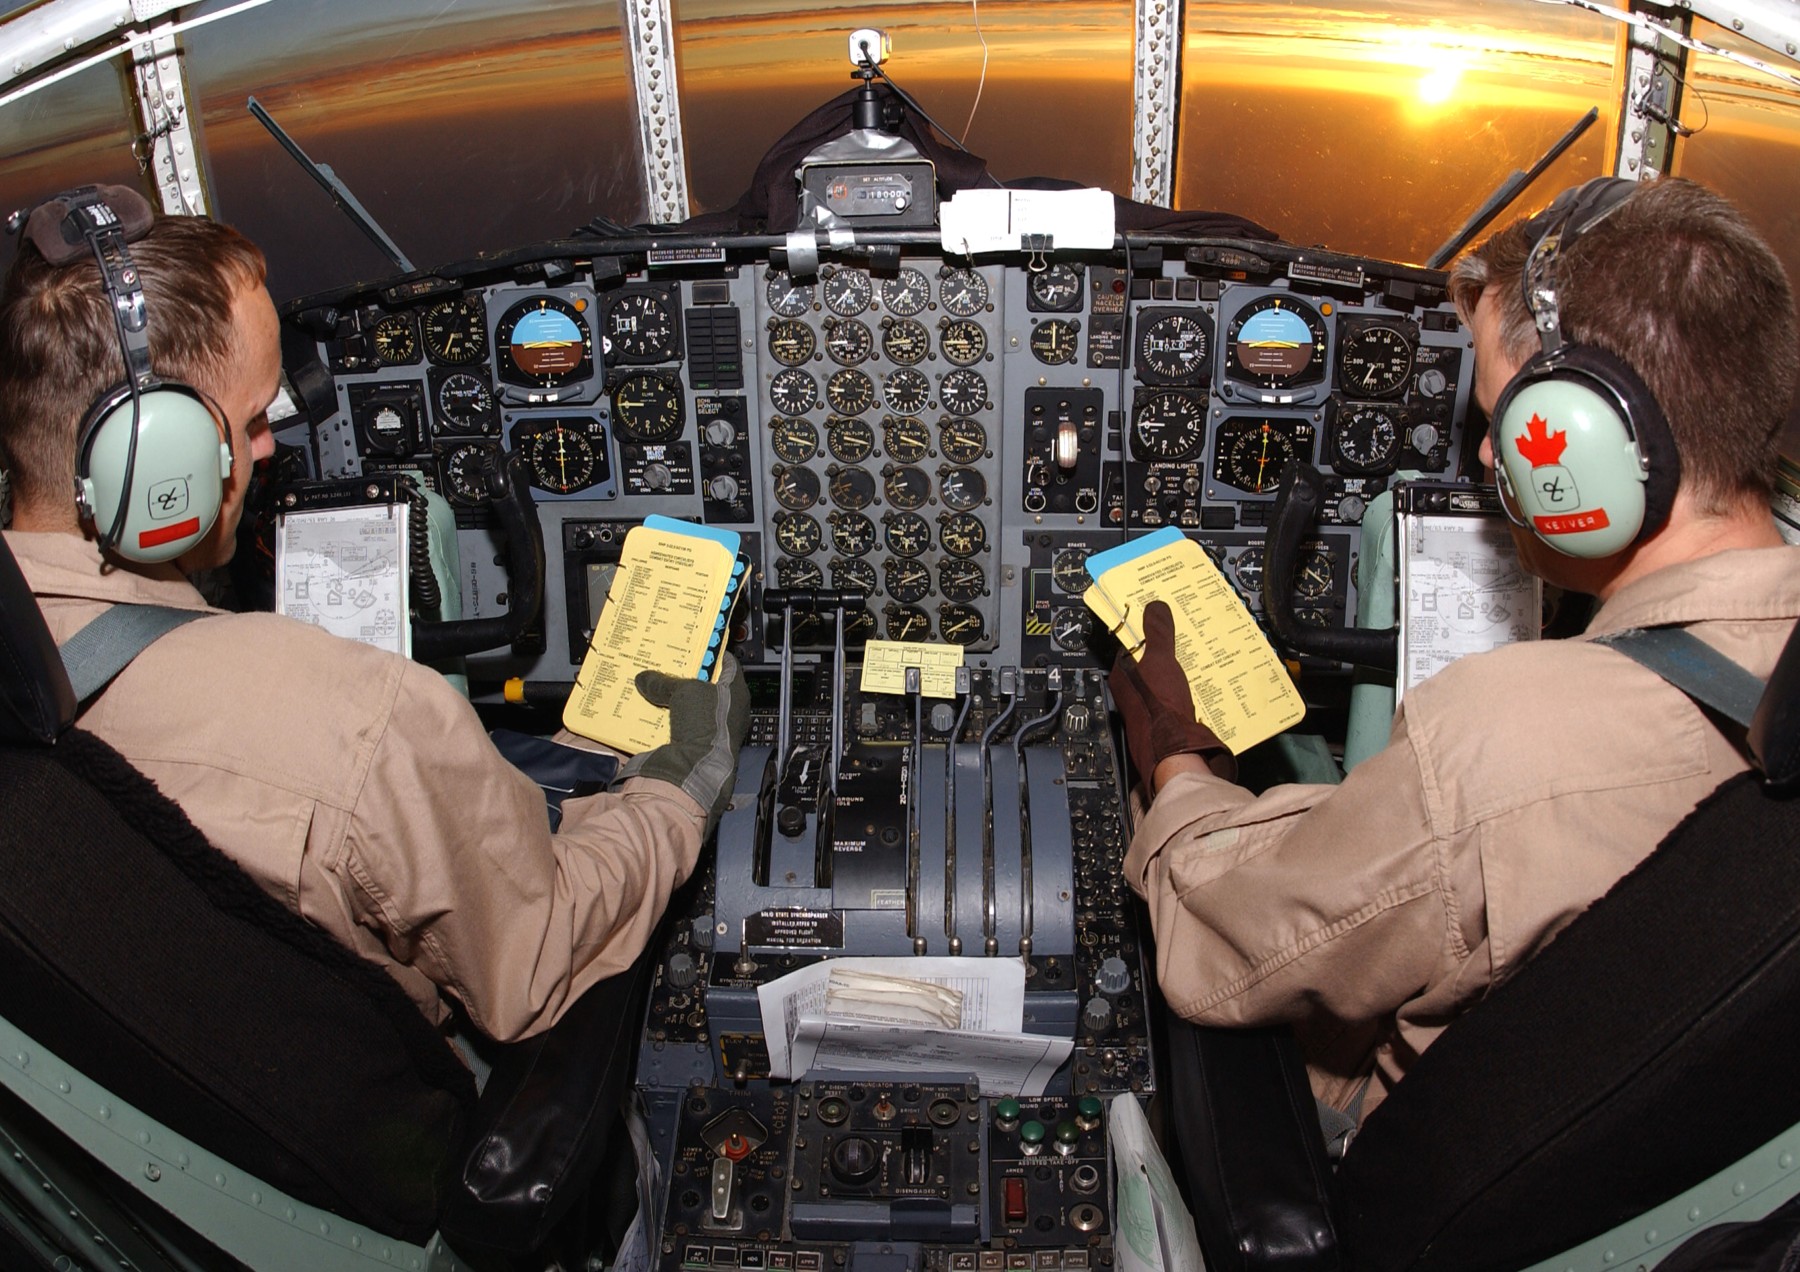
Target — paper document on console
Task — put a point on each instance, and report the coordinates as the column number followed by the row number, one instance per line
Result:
column 1155, row 1232
column 863, row 1035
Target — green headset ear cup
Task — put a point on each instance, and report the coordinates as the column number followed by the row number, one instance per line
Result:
column 177, row 478
column 1585, row 452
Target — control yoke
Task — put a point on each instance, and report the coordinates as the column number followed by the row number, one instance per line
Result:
column 1293, row 518
column 510, row 498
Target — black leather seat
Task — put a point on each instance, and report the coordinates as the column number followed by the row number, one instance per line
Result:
column 144, row 957
column 1646, row 1049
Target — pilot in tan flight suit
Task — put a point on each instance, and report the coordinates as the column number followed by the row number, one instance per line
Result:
column 356, row 786
column 1517, row 785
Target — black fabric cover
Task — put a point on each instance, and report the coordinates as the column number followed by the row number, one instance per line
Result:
column 36, row 702
column 548, row 1121
column 1645, row 1049
column 1244, row 1120
column 169, row 977
column 772, row 203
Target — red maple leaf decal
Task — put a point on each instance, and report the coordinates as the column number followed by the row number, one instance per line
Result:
column 1540, row 445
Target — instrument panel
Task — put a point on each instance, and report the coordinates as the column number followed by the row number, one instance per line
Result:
column 898, row 422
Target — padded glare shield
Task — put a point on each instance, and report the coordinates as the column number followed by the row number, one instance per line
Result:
column 1582, row 452
column 159, row 502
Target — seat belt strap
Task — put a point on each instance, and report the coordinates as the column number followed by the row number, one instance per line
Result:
column 1692, row 666
column 106, row 646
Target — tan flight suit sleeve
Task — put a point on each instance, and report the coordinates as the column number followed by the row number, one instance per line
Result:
column 452, row 862
column 1304, row 903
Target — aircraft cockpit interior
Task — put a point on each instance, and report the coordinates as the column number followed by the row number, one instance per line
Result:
column 544, row 275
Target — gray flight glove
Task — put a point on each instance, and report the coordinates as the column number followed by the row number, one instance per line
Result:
column 707, row 724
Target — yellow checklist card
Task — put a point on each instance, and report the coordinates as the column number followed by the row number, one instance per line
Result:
column 664, row 611
column 885, row 663
column 1242, row 690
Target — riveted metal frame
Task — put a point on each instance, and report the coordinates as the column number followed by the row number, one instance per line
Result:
column 1774, row 24
column 1654, row 67
column 1156, row 82
column 650, row 61
column 168, row 148
column 242, row 1215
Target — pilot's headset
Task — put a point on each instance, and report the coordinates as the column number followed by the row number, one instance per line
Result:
column 152, row 455
column 1583, row 456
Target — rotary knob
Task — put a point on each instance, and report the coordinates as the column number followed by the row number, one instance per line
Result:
column 1114, row 976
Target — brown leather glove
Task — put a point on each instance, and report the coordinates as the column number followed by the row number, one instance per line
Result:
column 1157, row 706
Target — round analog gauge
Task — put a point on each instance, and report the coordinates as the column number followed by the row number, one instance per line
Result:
column 793, row 391
column 848, row 342
column 1367, row 439
column 852, row 488
column 1167, row 426
column 464, row 402
column 962, row 441
column 1053, row 341
column 906, row 391
column 1247, row 568
column 962, row 342
column 961, row 580
column 907, row 622
column 906, row 488
column 795, row 441
column 908, row 534
column 797, row 572
column 456, row 331
column 786, row 297
column 906, row 437
column 1307, row 616
column 853, row 576
column 641, row 325
column 962, row 534
column 1250, row 453
column 1277, row 343
column 961, row 624
column 560, row 459
column 791, row 342
column 847, row 291
column 1175, row 348
column 464, row 482
column 852, row 534
column 851, row 440
column 1313, row 575
column 394, row 341
column 798, row 534
column 1375, row 362
column 962, row 489
column 963, row 392
column 907, row 293
column 850, row 392
column 1069, row 569
column 907, row 580
column 963, row 292
column 796, row 488
column 905, row 341
column 647, row 408
column 1055, row 288
column 546, row 341
column 1069, row 629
